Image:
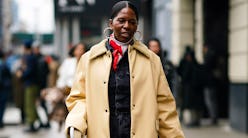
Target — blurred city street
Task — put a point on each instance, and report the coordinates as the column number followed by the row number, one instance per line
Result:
column 13, row 130
column 202, row 46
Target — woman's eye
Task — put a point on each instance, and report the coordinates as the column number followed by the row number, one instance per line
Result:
column 133, row 22
column 121, row 20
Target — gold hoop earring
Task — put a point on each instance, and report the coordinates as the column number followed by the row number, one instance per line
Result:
column 139, row 34
column 107, row 31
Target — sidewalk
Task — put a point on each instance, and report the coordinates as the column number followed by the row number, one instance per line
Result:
column 222, row 130
column 14, row 130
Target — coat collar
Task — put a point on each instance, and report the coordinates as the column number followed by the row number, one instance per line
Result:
column 100, row 49
column 142, row 48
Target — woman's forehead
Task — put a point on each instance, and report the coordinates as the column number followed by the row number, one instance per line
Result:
column 126, row 12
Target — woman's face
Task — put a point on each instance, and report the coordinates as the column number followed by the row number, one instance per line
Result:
column 154, row 46
column 124, row 25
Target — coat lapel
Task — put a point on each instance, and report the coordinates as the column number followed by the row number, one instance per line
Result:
column 100, row 52
column 98, row 49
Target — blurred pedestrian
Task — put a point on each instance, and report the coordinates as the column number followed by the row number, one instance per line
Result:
column 28, row 74
column 42, row 74
column 154, row 45
column 67, row 69
column 210, row 92
column 120, row 89
column 171, row 74
column 42, row 69
column 17, row 85
column 5, row 86
column 53, row 64
column 56, row 95
column 192, row 93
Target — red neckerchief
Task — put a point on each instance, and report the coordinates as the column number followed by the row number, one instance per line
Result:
column 117, row 50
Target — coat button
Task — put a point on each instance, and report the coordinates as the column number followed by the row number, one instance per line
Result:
column 104, row 82
column 106, row 110
column 133, row 106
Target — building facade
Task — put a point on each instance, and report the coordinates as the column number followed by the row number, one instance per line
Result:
column 85, row 21
column 223, row 25
column 238, row 64
column 6, row 20
column 162, row 23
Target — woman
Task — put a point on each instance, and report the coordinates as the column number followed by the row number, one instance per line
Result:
column 67, row 69
column 192, row 90
column 56, row 95
column 154, row 45
column 120, row 90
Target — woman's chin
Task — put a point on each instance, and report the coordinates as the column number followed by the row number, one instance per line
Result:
column 125, row 38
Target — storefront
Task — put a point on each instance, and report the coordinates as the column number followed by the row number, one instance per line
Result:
column 84, row 20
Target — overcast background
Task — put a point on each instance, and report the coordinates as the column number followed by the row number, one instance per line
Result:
column 36, row 15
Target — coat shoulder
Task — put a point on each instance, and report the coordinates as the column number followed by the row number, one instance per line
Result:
column 98, row 49
column 142, row 48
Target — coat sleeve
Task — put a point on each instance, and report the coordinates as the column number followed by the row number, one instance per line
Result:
column 76, row 101
column 169, row 125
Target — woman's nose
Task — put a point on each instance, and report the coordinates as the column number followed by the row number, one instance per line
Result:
column 126, row 24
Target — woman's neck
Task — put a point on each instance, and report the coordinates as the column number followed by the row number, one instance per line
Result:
column 121, row 43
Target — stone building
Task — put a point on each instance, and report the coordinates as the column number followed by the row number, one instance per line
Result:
column 223, row 24
column 5, row 24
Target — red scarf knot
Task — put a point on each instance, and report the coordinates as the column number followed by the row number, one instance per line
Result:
column 117, row 50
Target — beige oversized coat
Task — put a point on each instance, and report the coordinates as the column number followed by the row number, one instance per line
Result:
column 153, row 110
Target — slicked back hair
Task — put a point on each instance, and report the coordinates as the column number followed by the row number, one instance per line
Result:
column 121, row 5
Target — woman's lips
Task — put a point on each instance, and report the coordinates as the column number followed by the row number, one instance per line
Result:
column 126, row 34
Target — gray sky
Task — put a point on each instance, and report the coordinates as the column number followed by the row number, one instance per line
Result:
column 38, row 15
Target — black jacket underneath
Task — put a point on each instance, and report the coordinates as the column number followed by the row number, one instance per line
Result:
column 119, row 99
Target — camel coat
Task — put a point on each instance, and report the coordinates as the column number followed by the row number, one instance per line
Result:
column 153, row 109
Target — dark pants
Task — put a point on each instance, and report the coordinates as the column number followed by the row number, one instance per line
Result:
column 211, row 102
column 31, row 95
column 3, row 101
